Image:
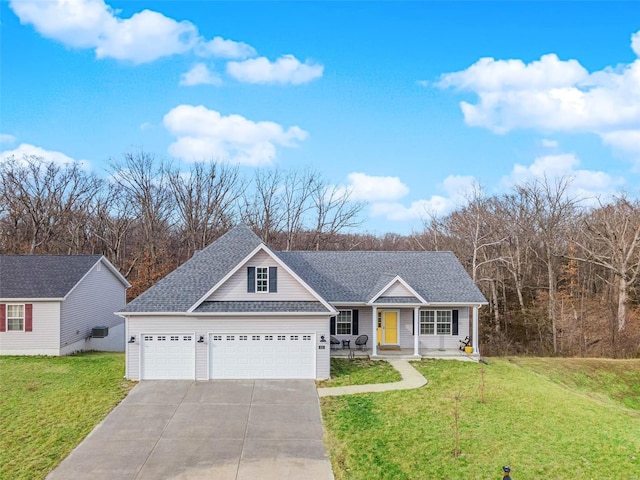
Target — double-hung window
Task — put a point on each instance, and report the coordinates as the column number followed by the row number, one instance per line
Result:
column 435, row 322
column 343, row 322
column 15, row 318
column 262, row 279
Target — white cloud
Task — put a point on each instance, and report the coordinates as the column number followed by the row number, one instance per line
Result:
column 25, row 149
column 368, row 188
column 285, row 70
column 7, row 138
column 584, row 184
column 456, row 190
column 550, row 94
column 144, row 37
column 547, row 143
column 219, row 47
column 199, row 75
column 206, row 134
column 625, row 141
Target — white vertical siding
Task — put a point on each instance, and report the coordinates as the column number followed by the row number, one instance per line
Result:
column 43, row 340
column 235, row 288
column 140, row 325
column 90, row 304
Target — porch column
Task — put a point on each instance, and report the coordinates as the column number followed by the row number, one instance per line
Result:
column 374, row 331
column 474, row 337
column 416, row 330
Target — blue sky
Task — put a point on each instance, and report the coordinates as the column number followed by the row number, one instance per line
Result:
column 407, row 104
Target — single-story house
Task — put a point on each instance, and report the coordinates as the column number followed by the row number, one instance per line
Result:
column 238, row 309
column 50, row 304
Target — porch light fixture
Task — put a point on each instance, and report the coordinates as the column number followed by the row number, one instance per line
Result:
column 132, row 339
column 201, row 339
column 322, row 339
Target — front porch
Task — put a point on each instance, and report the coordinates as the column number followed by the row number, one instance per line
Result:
column 405, row 354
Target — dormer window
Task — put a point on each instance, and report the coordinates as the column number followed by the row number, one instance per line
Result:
column 262, row 279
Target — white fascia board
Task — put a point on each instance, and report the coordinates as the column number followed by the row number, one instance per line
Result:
column 398, row 305
column 259, row 314
column 23, row 300
column 395, row 279
column 155, row 314
column 458, row 304
column 244, row 261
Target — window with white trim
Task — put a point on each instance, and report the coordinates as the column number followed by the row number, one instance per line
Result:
column 435, row 322
column 343, row 322
column 15, row 318
column 262, row 279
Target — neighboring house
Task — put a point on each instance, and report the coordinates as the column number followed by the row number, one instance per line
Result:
column 49, row 304
column 237, row 309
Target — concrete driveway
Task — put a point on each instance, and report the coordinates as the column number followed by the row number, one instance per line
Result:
column 226, row 429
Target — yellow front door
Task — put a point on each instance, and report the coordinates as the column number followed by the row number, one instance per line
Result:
column 390, row 328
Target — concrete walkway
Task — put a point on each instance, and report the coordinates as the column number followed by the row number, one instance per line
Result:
column 411, row 379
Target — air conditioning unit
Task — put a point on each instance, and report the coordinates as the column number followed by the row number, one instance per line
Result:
column 99, row 332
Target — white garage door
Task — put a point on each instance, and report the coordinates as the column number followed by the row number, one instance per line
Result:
column 168, row 356
column 262, row 356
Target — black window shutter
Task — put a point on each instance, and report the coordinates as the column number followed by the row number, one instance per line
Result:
column 332, row 326
column 354, row 322
column 251, row 279
column 413, row 322
column 273, row 279
column 454, row 322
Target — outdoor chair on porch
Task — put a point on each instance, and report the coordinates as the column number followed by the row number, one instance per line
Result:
column 361, row 342
column 335, row 343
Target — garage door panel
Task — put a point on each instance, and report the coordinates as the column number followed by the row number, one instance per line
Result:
column 262, row 356
column 168, row 356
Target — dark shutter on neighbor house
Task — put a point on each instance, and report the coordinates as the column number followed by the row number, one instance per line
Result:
column 3, row 317
column 332, row 326
column 354, row 322
column 273, row 279
column 454, row 322
column 251, row 279
column 28, row 317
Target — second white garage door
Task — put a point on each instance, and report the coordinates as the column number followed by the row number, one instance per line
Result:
column 261, row 356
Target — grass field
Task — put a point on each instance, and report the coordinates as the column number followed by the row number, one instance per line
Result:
column 547, row 418
column 359, row 371
column 49, row 404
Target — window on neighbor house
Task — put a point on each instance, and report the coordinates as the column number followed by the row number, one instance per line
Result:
column 435, row 322
column 262, row 279
column 15, row 318
column 343, row 322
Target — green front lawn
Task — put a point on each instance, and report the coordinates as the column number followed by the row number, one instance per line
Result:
column 535, row 418
column 359, row 371
column 49, row 404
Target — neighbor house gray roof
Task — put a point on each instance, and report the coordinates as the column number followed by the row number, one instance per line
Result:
column 42, row 276
column 336, row 276
column 437, row 277
column 182, row 288
column 260, row 306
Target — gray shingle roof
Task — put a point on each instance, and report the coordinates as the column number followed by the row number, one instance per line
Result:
column 42, row 276
column 260, row 306
column 182, row 288
column 335, row 276
column 353, row 276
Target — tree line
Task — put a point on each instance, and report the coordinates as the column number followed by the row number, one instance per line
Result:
column 560, row 274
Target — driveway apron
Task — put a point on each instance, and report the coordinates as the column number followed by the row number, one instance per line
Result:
column 224, row 429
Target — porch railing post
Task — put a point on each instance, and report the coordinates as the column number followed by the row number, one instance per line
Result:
column 374, row 331
column 474, row 337
column 416, row 331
